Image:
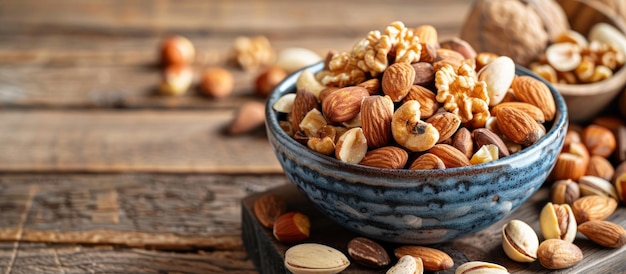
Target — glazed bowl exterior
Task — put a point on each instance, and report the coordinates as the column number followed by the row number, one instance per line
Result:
column 409, row 206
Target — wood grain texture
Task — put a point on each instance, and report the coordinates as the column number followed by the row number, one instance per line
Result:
column 130, row 141
column 173, row 212
column 485, row 245
column 104, row 53
column 28, row 258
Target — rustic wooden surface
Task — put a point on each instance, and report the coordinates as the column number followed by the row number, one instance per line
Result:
column 98, row 173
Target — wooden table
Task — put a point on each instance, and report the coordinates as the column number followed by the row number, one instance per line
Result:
column 99, row 174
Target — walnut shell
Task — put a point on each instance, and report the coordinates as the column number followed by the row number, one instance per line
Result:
column 520, row 29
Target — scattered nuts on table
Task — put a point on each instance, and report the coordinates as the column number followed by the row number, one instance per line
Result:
column 315, row 258
column 292, row 227
column 477, row 267
column 176, row 79
column 368, row 253
column 519, row 241
column 604, row 233
column 432, row 259
column 177, row 50
column 558, row 254
column 251, row 53
column 267, row 80
column 407, row 265
column 557, row 221
column 268, row 208
column 217, row 82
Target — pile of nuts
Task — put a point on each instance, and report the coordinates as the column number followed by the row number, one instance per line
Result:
column 251, row 54
column 575, row 59
column 445, row 106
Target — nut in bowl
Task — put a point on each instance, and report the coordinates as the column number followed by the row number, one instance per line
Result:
column 414, row 206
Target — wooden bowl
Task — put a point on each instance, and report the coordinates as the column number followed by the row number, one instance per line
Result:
column 585, row 101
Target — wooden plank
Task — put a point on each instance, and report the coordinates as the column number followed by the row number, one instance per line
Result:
column 126, row 141
column 485, row 245
column 30, row 258
column 222, row 17
column 173, row 212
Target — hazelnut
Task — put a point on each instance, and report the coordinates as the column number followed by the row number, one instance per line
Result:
column 268, row 79
column 176, row 80
column 217, row 82
column 177, row 50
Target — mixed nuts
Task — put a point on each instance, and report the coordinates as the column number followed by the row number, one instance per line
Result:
column 357, row 105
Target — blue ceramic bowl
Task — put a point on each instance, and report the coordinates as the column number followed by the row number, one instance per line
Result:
column 415, row 207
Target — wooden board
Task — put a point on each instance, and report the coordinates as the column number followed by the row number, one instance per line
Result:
column 130, row 141
column 172, row 212
column 28, row 258
column 268, row 254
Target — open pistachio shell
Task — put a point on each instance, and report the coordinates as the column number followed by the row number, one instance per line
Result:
column 478, row 267
column 558, row 222
column 519, row 241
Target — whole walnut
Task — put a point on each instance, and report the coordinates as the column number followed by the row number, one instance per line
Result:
column 520, row 29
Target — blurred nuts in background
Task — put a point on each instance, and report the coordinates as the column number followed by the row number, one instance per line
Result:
column 176, row 79
column 177, row 50
column 268, row 79
column 217, row 82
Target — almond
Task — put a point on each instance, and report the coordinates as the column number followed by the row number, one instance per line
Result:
column 593, row 207
column 424, row 73
column 376, row 116
column 446, row 123
column 426, row 98
column 368, row 253
column 397, row 80
column 558, row 254
column 518, row 126
column 450, row 156
column 344, row 104
column 372, row 85
column 304, row 102
column 268, row 208
column 483, row 136
column 427, row 34
column 461, row 46
column 529, row 109
column 447, row 56
column 604, row 233
column 463, row 141
column 427, row 161
column 433, row 259
column 386, row 157
column 530, row 90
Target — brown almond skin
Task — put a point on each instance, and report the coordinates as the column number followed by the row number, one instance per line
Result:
column 483, row 136
column 518, row 126
column 433, row 259
column 268, row 208
column 427, row 161
column 343, row 104
column 558, row 254
column 446, row 123
column 426, row 98
column 593, row 207
column 376, row 116
column 292, row 227
column 397, row 80
column 304, row 102
column 386, row 157
column 530, row 90
column 450, row 156
column 604, row 233
column 463, row 141
column 368, row 253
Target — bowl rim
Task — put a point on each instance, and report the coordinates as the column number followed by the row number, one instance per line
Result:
column 288, row 86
